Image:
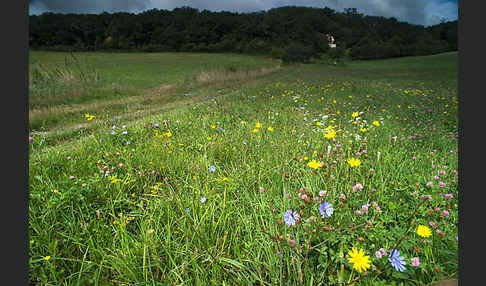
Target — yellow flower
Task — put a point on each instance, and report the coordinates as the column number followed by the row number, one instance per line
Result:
column 355, row 114
column 424, row 231
column 46, row 258
column 330, row 134
column 294, row 131
column 255, row 130
column 376, row 123
column 306, row 158
column 243, row 122
column 359, row 260
column 338, row 112
column 89, row 116
column 362, row 129
column 318, row 123
column 270, row 129
column 258, row 125
column 314, row 164
column 168, row 134
column 354, row 162
column 212, row 126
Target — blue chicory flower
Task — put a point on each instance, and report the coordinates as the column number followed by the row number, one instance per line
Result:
column 326, row 209
column 290, row 217
column 397, row 261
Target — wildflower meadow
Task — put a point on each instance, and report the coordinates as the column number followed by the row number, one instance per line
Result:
column 303, row 175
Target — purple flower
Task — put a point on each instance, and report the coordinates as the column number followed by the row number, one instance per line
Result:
column 326, row 209
column 291, row 218
column 396, row 260
column 203, row 199
column 358, row 187
column 448, row 196
column 212, row 168
column 415, row 261
column 383, row 251
column 378, row 254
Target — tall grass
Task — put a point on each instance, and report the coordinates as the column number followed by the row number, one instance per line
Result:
column 71, row 82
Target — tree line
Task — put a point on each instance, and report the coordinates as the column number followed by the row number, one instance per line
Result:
column 279, row 32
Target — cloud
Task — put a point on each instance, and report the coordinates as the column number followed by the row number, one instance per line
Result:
column 421, row 12
column 436, row 10
column 87, row 6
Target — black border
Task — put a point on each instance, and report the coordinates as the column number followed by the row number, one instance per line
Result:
column 14, row 23
column 471, row 203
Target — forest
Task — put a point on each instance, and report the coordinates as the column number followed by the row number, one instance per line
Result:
column 280, row 32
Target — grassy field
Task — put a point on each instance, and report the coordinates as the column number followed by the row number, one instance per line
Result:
column 210, row 169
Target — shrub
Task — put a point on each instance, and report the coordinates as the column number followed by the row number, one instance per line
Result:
column 297, row 52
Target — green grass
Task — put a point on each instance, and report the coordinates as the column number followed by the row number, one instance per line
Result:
column 133, row 211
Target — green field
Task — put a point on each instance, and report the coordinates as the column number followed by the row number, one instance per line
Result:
column 182, row 169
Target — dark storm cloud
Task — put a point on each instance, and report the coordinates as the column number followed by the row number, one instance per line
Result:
column 422, row 12
column 88, row 6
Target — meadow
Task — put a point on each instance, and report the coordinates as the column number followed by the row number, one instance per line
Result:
column 221, row 169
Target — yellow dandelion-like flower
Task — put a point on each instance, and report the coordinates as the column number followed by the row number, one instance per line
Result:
column 424, row 231
column 376, row 123
column 46, row 258
column 270, row 128
column 330, row 134
column 168, row 134
column 359, row 260
column 89, row 116
column 353, row 162
column 258, row 125
column 318, row 123
column 314, row 164
column 255, row 130
column 363, row 129
column 212, row 126
column 355, row 114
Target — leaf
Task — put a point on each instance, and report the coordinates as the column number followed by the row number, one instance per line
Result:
column 400, row 275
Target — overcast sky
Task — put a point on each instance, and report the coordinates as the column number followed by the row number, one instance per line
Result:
column 421, row 12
